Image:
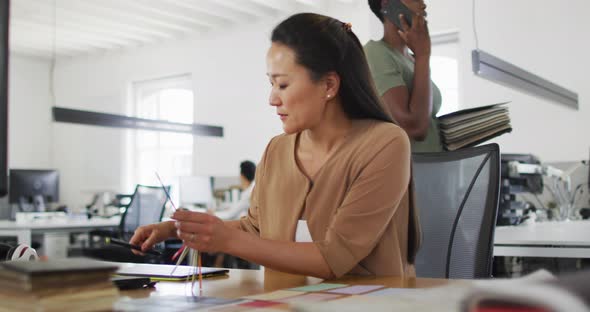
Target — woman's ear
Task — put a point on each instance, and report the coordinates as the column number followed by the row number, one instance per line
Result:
column 332, row 81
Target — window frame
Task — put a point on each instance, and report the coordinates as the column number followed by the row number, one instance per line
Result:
column 139, row 91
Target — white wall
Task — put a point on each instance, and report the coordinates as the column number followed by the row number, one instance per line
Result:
column 29, row 117
column 29, row 135
column 545, row 39
column 230, row 85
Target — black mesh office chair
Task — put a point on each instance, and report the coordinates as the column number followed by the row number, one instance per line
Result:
column 457, row 196
column 147, row 206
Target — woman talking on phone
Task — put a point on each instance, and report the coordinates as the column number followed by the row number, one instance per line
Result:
column 333, row 194
column 402, row 79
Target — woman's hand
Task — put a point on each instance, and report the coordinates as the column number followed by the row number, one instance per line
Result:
column 416, row 37
column 202, row 231
column 148, row 235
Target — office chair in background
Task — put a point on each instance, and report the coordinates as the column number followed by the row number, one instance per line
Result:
column 457, row 195
column 146, row 206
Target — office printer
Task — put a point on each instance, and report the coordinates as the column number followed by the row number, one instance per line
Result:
column 520, row 173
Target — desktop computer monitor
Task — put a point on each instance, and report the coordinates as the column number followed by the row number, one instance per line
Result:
column 196, row 190
column 32, row 189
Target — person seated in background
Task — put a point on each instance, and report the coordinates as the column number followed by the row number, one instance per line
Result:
column 238, row 209
column 234, row 211
column 334, row 193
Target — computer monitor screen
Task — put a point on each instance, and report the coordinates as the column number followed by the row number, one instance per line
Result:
column 4, row 14
column 196, row 190
column 35, row 187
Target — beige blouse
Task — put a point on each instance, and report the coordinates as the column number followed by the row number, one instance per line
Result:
column 357, row 206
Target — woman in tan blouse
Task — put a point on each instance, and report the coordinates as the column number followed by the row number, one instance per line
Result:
column 341, row 170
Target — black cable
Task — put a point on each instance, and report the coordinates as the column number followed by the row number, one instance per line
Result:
column 539, row 200
column 550, row 191
column 474, row 25
column 578, row 187
column 5, row 251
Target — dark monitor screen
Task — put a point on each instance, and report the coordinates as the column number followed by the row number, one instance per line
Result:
column 4, row 6
column 26, row 185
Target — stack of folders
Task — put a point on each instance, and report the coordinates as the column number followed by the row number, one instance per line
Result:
column 470, row 127
column 73, row 284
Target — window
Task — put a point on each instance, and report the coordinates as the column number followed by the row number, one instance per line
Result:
column 168, row 153
column 445, row 74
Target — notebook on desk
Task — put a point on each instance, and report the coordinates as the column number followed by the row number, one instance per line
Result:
column 163, row 272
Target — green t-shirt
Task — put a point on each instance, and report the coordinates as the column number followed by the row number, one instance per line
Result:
column 391, row 69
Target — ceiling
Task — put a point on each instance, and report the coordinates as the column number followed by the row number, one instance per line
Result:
column 67, row 28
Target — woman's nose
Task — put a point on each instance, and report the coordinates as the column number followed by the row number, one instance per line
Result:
column 274, row 100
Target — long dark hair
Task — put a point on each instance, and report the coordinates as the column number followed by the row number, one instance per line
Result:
column 323, row 44
column 375, row 6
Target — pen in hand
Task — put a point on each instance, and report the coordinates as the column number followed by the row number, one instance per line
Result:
column 166, row 191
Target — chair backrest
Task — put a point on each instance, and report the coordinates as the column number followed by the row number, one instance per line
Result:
column 457, row 195
column 146, row 206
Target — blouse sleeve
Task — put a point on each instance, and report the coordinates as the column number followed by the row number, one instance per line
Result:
column 368, row 207
column 385, row 70
column 249, row 223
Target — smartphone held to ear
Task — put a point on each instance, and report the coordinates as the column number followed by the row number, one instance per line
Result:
column 392, row 11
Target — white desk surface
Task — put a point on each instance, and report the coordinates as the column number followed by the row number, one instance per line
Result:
column 60, row 223
column 560, row 239
column 24, row 231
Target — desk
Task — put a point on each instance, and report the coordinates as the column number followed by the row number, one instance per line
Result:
column 25, row 231
column 241, row 283
column 552, row 239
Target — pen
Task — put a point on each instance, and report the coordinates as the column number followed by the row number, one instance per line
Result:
column 181, row 257
column 178, row 252
column 166, row 191
column 200, row 265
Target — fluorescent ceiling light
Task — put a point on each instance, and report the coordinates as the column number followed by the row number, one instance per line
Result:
column 493, row 68
column 61, row 114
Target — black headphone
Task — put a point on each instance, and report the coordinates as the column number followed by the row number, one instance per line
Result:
column 18, row 252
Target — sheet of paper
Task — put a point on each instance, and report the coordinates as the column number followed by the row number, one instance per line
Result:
column 275, row 295
column 356, row 289
column 237, row 308
column 318, row 287
column 348, row 304
column 394, row 292
column 229, row 308
column 311, row 297
column 302, row 234
column 259, row 304
column 171, row 303
column 371, row 303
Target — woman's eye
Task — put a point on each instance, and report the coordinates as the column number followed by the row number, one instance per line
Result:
column 282, row 86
